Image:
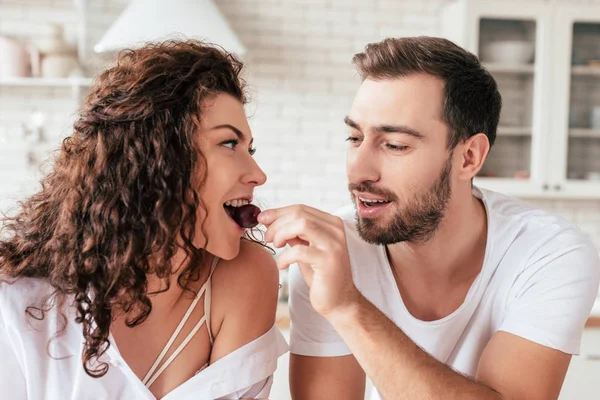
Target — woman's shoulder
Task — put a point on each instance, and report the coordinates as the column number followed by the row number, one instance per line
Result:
column 245, row 292
column 252, row 277
column 254, row 262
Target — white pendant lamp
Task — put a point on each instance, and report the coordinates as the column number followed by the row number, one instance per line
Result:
column 152, row 20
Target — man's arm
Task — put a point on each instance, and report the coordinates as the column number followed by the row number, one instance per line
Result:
column 520, row 369
column 321, row 365
column 316, row 378
column 510, row 368
column 549, row 303
column 528, row 356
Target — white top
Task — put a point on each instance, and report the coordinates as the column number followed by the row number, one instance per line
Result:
column 539, row 280
column 28, row 372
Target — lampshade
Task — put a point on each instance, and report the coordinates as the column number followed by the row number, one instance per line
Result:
column 152, row 20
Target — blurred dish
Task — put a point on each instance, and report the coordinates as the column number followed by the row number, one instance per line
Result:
column 508, row 52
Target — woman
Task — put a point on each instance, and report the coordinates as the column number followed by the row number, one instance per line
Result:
column 112, row 285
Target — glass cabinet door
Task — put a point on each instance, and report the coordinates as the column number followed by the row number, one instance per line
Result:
column 583, row 157
column 507, row 49
column 512, row 42
column 575, row 114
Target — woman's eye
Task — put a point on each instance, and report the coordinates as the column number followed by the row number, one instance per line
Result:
column 252, row 151
column 230, row 143
column 394, row 147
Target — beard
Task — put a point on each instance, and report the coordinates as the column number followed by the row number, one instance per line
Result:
column 417, row 222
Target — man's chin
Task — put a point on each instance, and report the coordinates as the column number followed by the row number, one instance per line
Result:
column 369, row 230
column 369, row 237
column 377, row 232
column 378, row 223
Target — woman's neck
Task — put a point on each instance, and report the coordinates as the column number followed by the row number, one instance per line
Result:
column 166, row 294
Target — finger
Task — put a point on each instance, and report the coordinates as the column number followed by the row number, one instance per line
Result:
column 314, row 232
column 267, row 217
column 279, row 224
column 307, row 218
column 303, row 255
column 276, row 225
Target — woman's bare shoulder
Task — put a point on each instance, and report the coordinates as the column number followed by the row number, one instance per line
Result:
column 245, row 292
column 251, row 280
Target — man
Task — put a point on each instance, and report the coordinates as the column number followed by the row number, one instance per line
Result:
column 437, row 290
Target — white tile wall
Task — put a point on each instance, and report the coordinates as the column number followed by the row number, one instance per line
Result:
column 302, row 81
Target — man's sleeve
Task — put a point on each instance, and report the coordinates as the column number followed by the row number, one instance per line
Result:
column 553, row 295
column 311, row 334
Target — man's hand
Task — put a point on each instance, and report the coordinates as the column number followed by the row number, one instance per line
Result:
column 318, row 245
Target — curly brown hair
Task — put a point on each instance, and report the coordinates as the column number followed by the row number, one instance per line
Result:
column 123, row 194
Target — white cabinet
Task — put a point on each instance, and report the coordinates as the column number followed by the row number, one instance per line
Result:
column 576, row 116
column 582, row 381
column 541, row 150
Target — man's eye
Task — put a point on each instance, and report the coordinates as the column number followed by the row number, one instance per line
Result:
column 352, row 139
column 230, row 143
column 394, row 147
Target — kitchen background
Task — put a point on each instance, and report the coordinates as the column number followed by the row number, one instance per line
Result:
column 302, row 82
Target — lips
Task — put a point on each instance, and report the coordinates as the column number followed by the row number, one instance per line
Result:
column 371, row 202
column 369, row 205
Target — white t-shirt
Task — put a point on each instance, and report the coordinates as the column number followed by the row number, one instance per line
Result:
column 539, row 281
column 28, row 373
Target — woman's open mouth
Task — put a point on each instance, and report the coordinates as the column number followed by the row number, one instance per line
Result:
column 242, row 212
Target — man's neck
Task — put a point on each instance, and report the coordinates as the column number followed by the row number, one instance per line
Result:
column 453, row 254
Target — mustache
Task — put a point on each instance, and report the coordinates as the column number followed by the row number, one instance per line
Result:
column 370, row 188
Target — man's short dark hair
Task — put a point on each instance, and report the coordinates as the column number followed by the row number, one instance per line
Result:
column 472, row 102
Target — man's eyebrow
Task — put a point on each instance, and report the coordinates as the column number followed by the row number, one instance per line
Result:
column 386, row 128
column 352, row 124
column 235, row 130
column 398, row 129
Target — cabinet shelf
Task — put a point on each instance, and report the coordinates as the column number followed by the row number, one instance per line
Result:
column 584, row 70
column 514, row 131
column 510, row 68
column 46, row 82
column 584, row 133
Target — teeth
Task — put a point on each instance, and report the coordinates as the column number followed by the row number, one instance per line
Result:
column 372, row 201
column 237, row 202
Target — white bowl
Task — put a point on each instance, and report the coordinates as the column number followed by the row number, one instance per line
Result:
column 508, row 52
